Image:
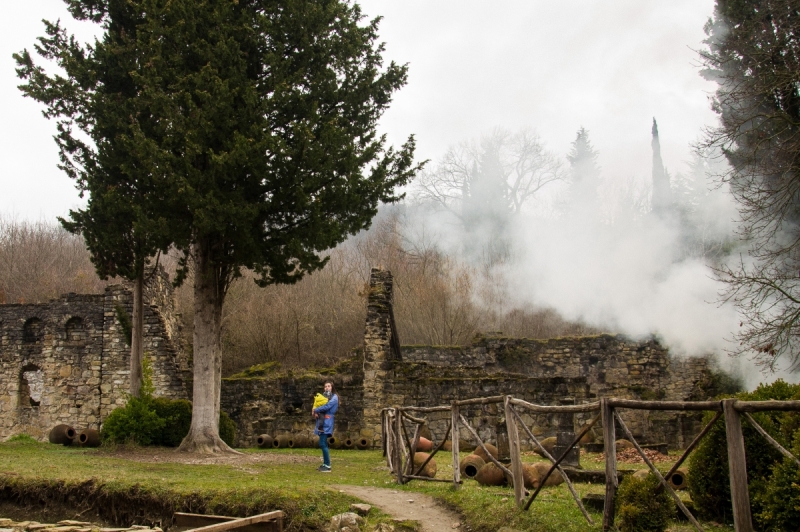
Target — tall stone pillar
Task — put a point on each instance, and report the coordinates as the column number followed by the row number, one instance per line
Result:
column 565, row 434
column 381, row 350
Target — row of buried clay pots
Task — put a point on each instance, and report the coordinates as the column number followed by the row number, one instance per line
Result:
column 479, row 467
column 66, row 435
column 298, row 441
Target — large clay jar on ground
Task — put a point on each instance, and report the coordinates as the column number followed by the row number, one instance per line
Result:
column 280, row 442
column 430, row 468
column 532, row 475
column 490, row 475
column 463, row 447
column 489, row 447
column 89, row 438
column 298, row 441
column 470, row 465
column 336, row 441
column 425, row 432
column 586, row 438
column 678, row 479
column 264, row 441
column 63, row 434
column 549, row 444
column 623, row 444
column 425, row 445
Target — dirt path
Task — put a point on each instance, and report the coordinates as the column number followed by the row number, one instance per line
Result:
column 407, row 505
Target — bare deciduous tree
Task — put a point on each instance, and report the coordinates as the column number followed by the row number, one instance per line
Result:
column 40, row 261
column 510, row 168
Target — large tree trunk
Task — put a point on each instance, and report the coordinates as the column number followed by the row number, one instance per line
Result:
column 209, row 295
column 137, row 337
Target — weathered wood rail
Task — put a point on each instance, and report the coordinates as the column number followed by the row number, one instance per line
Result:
column 399, row 448
column 267, row 522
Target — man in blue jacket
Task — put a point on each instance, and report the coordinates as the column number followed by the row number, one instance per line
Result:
column 324, row 426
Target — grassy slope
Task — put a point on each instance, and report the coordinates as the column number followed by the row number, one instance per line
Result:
column 294, row 487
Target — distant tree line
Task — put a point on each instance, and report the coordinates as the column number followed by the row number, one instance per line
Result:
column 315, row 322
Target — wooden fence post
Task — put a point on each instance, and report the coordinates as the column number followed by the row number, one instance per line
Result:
column 454, row 414
column 514, row 451
column 609, row 445
column 740, row 496
column 399, row 445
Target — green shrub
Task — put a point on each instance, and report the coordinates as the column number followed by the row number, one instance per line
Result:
column 640, row 508
column 780, row 500
column 22, row 438
column 177, row 415
column 158, row 421
column 227, row 428
column 136, row 422
column 709, row 481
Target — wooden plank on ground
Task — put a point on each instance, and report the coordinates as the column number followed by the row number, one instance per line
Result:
column 266, row 522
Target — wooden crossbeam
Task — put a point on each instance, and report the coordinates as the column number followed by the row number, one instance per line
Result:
column 234, row 523
column 496, row 462
column 770, row 439
column 561, row 458
column 436, row 450
column 689, row 449
column 560, row 469
column 657, row 473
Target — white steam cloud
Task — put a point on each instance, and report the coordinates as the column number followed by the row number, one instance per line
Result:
column 617, row 267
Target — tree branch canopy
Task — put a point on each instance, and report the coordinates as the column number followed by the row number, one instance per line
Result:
column 753, row 54
column 241, row 132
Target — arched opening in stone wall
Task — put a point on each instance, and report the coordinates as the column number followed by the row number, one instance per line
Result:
column 32, row 331
column 31, row 386
column 76, row 332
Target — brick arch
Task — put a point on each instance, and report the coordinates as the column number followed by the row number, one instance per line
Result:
column 31, row 386
column 32, row 331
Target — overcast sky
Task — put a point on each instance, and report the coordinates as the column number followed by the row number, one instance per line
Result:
column 609, row 66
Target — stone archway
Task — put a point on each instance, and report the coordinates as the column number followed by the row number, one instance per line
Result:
column 31, row 386
column 32, row 331
column 75, row 331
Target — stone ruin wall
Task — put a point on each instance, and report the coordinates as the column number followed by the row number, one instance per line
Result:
column 70, row 357
column 554, row 371
column 67, row 361
column 280, row 403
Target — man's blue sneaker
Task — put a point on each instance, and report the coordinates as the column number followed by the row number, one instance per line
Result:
column 324, row 468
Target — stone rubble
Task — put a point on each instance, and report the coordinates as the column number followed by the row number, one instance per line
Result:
column 9, row 525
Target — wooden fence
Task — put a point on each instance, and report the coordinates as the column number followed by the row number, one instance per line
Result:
column 399, row 447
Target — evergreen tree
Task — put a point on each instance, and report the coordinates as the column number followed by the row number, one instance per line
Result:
column 259, row 140
column 121, row 224
column 585, row 174
column 754, row 56
column 662, row 193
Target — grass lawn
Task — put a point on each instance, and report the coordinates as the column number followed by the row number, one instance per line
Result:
column 147, row 484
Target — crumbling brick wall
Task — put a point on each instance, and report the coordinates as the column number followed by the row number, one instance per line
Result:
column 67, row 361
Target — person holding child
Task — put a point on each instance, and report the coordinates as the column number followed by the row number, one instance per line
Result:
column 324, row 422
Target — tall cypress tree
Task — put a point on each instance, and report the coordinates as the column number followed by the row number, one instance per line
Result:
column 121, row 223
column 260, row 142
column 662, row 193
